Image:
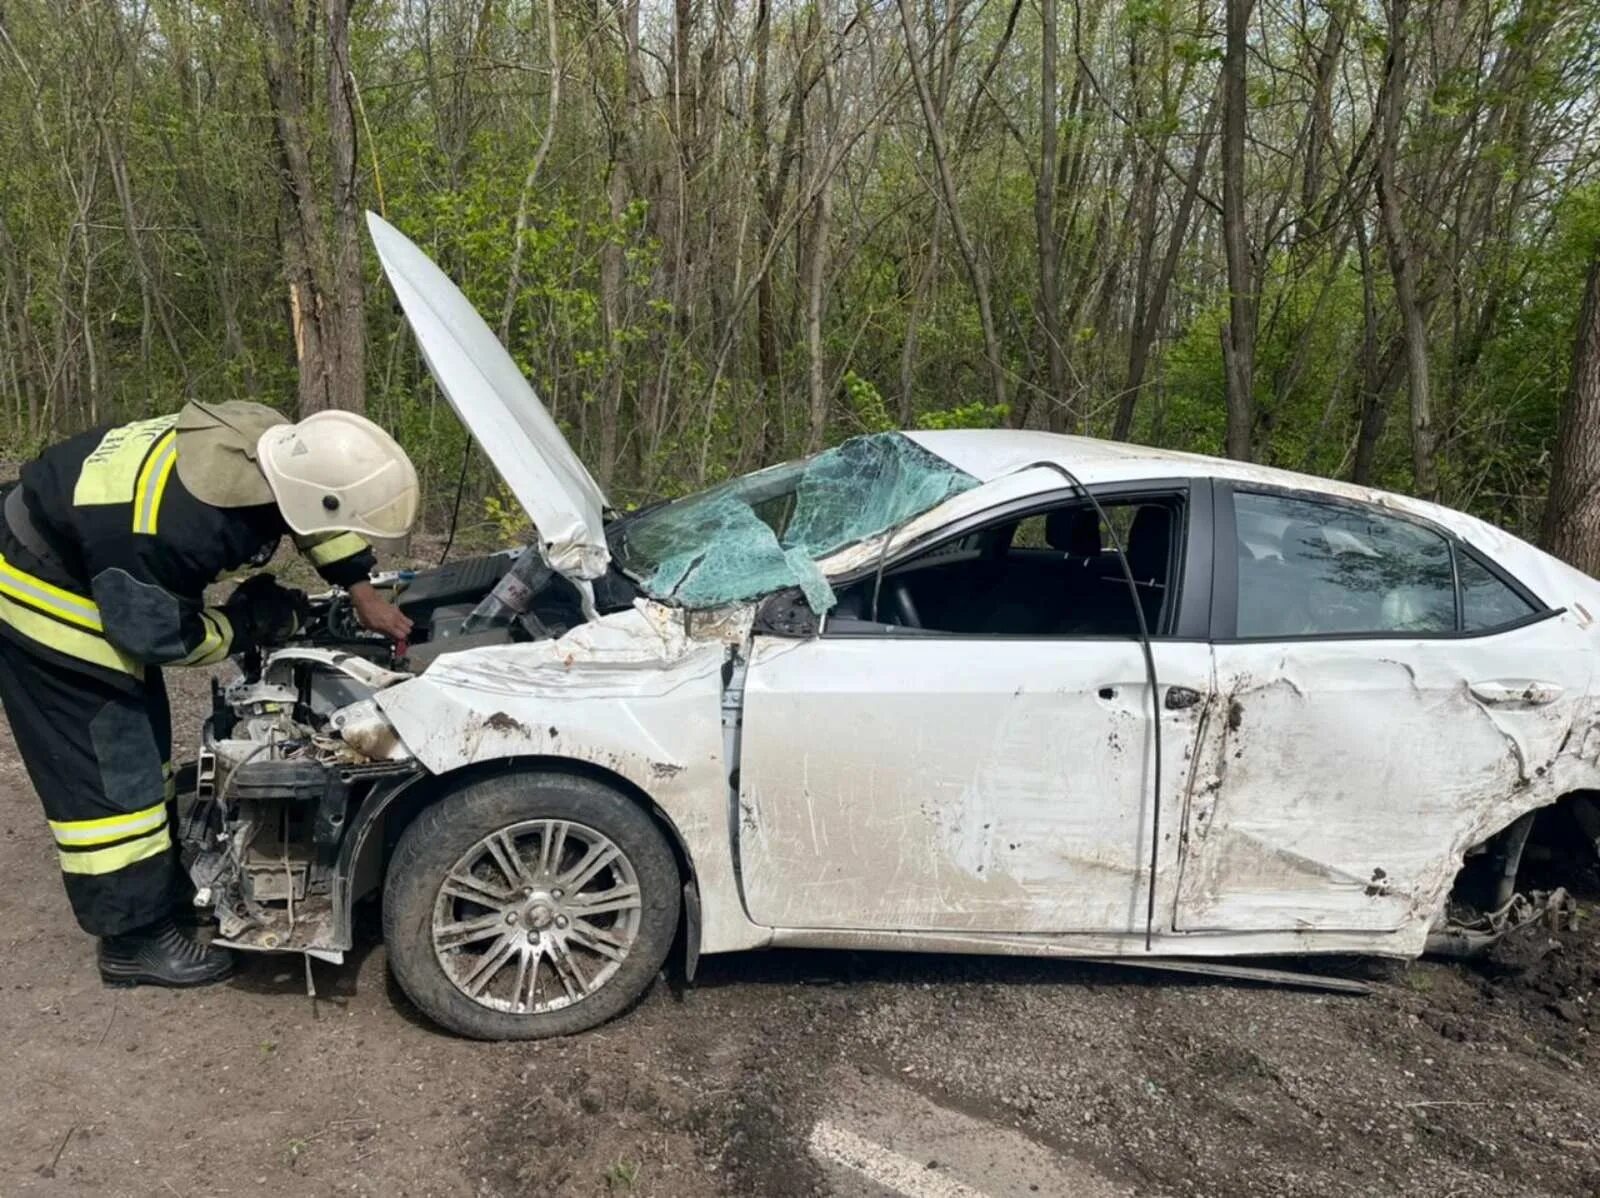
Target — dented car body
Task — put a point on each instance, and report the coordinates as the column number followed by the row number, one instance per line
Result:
column 992, row 691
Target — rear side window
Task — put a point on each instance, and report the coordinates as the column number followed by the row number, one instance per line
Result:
column 1486, row 600
column 1310, row 569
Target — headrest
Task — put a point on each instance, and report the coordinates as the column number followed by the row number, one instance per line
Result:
column 1149, row 542
column 1302, row 538
column 1075, row 531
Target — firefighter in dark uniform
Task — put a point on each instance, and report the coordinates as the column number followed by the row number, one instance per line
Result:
column 107, row 544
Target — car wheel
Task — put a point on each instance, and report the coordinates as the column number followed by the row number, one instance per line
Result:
column 527, row 905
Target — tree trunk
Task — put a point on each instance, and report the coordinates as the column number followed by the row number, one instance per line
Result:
column 816, row 264
column 519, row 230
column 1148, row 320
column 958, row 227
column 1402, row 264
column 325, row 288
column 1238, row 335
column 1059, row 414
column 1572, row 512
column 348, row 376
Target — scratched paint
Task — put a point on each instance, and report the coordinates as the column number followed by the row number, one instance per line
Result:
column 954, row 784
column 1356, row 773
column 631, row 694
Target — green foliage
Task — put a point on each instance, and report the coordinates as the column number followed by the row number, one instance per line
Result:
column 143, row 253
column 866, row 404
column 972, row 415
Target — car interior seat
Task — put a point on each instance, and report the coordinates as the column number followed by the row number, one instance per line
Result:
column 1149, row 552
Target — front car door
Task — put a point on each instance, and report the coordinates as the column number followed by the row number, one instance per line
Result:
column 991, row 770
column 1378, row 683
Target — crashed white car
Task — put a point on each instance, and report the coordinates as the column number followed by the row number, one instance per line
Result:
column 980, row 692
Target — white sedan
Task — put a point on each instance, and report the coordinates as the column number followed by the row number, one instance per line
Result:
column 980, row 692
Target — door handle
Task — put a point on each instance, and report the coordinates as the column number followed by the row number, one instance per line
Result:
column 1181, row 697
column 1515, row 692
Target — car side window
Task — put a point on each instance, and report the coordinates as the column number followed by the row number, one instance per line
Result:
column 1054, row 573
column 1486, row 600
column 1308, row 569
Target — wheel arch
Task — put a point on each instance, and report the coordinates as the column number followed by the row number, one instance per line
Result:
column 368, row 842
column 1492, row 866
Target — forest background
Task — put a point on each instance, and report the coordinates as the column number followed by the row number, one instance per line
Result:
column 1350, row 238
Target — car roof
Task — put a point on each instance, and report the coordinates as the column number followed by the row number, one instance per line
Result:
column 990, row 454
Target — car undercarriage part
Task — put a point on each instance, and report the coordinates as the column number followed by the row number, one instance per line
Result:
column 1467, row 933
column 1519, row 878
column 1243, row 973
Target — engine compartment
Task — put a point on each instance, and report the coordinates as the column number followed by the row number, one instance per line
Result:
column 295, row 757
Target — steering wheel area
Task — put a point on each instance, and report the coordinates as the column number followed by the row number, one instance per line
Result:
column 905, row 607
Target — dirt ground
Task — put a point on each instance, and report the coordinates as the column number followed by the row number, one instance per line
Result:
column 981, row 1077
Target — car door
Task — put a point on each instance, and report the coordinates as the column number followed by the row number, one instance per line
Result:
column 936, row 779
column 1369, row 707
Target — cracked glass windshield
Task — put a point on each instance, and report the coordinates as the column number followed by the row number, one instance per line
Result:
column 766, row 531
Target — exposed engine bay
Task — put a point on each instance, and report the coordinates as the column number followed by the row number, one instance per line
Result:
column 296, row 763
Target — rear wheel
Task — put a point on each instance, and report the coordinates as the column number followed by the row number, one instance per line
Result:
column 528, row 905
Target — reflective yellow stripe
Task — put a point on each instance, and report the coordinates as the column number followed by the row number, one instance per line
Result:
column 119, row 856
column 152, row 483
column 79, row 832
column 335, row 549
column 77, row 642
column 108, row 475
column 218, row 639
column 38, row 593
column 76, row 629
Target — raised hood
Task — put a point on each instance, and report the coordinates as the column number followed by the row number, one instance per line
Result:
column 500, row 408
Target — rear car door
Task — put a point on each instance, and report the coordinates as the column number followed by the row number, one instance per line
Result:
column 989, row 771
column 1377, row 680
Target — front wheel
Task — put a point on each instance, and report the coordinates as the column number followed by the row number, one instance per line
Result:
column 527, row 905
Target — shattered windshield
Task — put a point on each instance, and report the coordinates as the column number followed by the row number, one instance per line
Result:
column 766, row 531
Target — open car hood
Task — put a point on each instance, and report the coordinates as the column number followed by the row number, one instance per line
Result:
column 499, row 407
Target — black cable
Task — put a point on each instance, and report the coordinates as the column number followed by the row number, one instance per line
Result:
column 455, row 510
column 1150, row 679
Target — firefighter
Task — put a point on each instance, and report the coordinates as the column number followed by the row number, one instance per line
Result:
column 107, row 544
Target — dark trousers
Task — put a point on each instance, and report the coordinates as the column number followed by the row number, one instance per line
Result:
column 99, row 757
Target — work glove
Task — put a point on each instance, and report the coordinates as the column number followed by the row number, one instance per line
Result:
column 265, row 612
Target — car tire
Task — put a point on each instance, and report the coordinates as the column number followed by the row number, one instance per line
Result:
column 456, row 853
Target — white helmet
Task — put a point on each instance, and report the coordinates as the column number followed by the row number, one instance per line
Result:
column 338, row 472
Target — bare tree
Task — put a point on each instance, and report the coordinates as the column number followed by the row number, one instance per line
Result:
column 1402, row 263
column 1572, row 512
column 326, row 301
column 1239, row 334
column 977, row 275
column 1044, row 216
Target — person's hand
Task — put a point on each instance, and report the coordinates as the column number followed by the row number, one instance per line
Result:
column 268, row 612
column 377, row 614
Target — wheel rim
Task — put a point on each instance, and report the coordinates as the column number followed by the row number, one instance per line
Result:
column 536, row 916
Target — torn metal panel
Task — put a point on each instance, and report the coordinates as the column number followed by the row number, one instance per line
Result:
column 632, row 694
column 1348, row 777
column 960, row 783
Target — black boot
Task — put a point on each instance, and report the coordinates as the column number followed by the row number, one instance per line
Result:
column 160, row 955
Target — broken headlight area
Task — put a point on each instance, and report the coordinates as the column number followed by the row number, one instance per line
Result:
column 277, row 786
column 295, row 751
